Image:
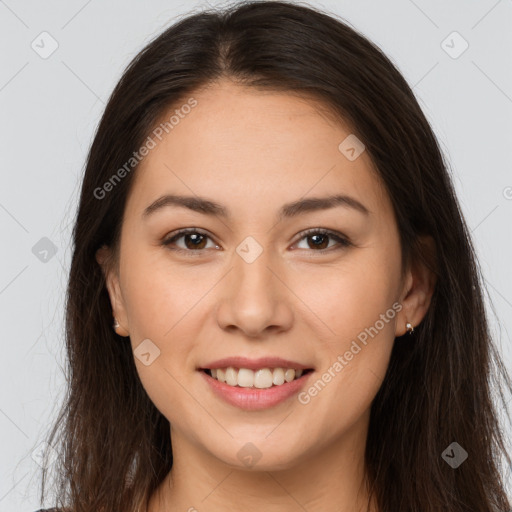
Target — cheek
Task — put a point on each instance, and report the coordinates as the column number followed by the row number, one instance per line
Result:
column 350, row 296
column 357, row 305
column 341, row 299
column 158, row 294
column 159, row 307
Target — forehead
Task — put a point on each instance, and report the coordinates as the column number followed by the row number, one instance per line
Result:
column 253, row 149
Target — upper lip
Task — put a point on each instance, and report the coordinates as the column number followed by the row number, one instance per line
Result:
column 255, row 364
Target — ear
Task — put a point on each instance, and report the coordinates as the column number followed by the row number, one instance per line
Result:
column 419, row 285
column 105, row 259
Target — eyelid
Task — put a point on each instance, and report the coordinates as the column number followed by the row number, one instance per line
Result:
column 169, row 239
column 343, row 240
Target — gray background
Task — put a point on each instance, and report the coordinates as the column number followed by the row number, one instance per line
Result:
column 50, row 108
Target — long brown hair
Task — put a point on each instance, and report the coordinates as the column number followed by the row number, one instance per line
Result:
column 114, row 445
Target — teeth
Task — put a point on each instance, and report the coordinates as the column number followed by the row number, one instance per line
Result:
column 245, row 378
column 261, row 379
column 278, row 376
column 232, row 377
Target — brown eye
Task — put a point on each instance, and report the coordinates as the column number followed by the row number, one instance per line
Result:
column 318, row 239
column 196, row 241
column 193, row 240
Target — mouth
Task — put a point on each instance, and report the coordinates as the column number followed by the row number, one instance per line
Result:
column 255, row 390
column 263, row 378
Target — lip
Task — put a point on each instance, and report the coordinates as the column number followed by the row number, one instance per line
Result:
column 255, row 364
column 252, row 399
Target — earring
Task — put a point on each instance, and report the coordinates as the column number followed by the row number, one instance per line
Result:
column 120, row 330
column 409, row 327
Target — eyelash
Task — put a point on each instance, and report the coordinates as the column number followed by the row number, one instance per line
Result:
column 342, row 240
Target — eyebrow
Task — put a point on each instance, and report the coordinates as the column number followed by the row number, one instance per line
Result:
column 209, row 207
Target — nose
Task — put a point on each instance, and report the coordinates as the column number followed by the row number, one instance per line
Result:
column 255, row 298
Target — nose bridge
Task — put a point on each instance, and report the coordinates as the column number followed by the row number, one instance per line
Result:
column 252, row 277
column 255, row 298
column 252, row 258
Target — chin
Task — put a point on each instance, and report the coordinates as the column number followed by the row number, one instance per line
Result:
column 259, row 455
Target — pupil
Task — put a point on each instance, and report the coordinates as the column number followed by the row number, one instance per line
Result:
column 197, row 239
column 323, row 237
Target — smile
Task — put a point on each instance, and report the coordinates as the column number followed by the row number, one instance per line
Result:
column 249, row 396
column 260, row 379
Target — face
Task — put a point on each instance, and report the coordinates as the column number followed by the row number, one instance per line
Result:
column 264, row 272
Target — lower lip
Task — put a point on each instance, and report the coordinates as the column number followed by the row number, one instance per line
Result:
column 253, row 399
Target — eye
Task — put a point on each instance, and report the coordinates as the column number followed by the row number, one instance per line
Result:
column 320, row 237
column 196, row 240
column 193, row 239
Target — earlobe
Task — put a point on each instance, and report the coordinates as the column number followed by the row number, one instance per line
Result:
column 120, row 330
column 104, row 259
column 419, row 286
column 118, row 310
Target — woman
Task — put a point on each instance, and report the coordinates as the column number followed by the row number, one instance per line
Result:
column 273, row 299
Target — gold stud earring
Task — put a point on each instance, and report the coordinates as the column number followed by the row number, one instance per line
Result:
column 409, row 327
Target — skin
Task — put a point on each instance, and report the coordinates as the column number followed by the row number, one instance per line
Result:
column 293, row 301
